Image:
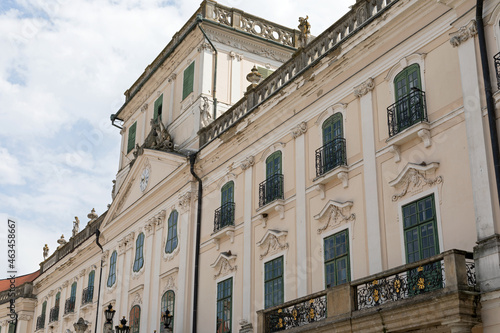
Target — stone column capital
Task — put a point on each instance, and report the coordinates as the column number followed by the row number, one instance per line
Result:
column 299, row 130
column 247, row 162
column 364, row 88
column 464, row 33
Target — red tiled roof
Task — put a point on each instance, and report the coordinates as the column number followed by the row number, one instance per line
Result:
column 5, row 284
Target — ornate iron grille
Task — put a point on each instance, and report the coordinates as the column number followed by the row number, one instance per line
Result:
column 54, row 314
column 69, row 305
column 271, row 189
column 87, row 295
column 296, row 315
column 497, row 68
column 401, row 285
column 330, row 156
column 224, row 216
column 407, row 111
column 40, row 322
column 471, row 273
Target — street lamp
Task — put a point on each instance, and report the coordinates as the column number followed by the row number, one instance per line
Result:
column 109, row 314
column 122, row 328
column 167, row 319
column 80, row 326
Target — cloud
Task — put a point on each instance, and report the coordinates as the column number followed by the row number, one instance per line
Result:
column 10, row 172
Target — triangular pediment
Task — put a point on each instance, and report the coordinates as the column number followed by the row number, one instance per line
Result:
column 148, row 170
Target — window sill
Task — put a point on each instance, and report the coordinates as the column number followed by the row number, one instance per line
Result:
column 218, row 236
column 420, row 130
column 341, row 172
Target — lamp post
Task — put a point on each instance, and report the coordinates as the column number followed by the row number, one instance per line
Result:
column 109, row 314
column 167, row 320
column 80, row 326
column 122, row 328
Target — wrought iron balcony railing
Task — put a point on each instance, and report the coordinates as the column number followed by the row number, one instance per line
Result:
column 54, row 314
column 497, row 68
column 69, row 305
column 224, row 216
column 40, row 322
column 271, row 189
column 87, row 295
column 407, row 111
column 330, row 156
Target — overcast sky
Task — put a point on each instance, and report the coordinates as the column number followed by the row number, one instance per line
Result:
column 64, row 66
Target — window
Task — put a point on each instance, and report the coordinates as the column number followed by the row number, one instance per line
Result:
column 58, row 298
column 44, row 309
column 337, row 259
column 135, row 319
column 88, row 293
column 409, row 108
column 272, row 188
column 139, row 257
column 91, row 279
column 420, row 233
column 273, row 282
column 112, row 270
column 12, row 328
column 333, row 152
column 158, row 108
column 172, row 232
column 73, row 291
column 224, row 216
column 188, row 81
column 264, row 72
column 224, row 306
column 167, row 302
column 131, row 137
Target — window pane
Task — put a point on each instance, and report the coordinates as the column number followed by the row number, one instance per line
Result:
column 131, row 137
column 337, row 259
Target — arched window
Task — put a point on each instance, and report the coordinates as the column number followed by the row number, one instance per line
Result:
column 172, row 232
column 139, row 255
column 135, row 319
column 272, row 188
column 44, row 309
column 58, row 299
column 409, row 108
column 88, row 293
column 112, row 269
column 226, row 212
column 167, row 302
column 73, row 291
column 332, row 128
column 333, row 152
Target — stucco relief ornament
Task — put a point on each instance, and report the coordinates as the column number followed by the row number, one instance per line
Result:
column 337, row 213
column 299, row 130
column 463, row 34
column 414, row 176
column 137, row 299
column 223, row 264
column 185, row 201
column 248, row 162
column 170, row 285
column 364, row 87
column 272, row 242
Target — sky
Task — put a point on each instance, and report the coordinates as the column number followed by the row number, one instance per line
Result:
column 64, row 66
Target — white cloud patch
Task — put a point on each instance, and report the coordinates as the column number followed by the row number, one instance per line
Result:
column 10, row 171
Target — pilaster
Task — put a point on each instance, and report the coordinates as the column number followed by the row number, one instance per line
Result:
column 171, row 80
column 149, row 258
column 185, row 206
column 247, row 166
column 157, row 223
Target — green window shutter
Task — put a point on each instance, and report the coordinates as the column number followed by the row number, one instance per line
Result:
column 336, row 254
column 188, row 81
column 407, row 79
column 158, row 108
column 273, row 164
column 273, row 283
column 264, row 72
column 131, row 137
column 332, row 128
column 227, row 193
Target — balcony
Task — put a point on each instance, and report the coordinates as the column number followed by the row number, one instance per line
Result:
column 497, row 68
column 224, row 216
column 428, row 288
column 330, row 156
column 271, row 189
column 87, row 295
column 406, row 112
column 69, row 305
column 54, row 314
column 40, row 322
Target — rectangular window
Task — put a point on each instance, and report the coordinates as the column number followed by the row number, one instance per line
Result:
column 158, row 108
column 419, row 222
column 188, row 81
column 224, row 305
column 131, row 137
column 337, row 259
column 273, row 282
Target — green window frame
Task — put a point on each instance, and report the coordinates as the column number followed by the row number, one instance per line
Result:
column 336, row 254
column 273, row 164
column 135, row 318
column 172, row 232
column 408, row 108
column 264, row 72
column 58, row 299
column 407, row 79
column 158, row 108
column 12, row 328
column 167, row 302
column 273, row 283
column 224, row 318
column 112, row 269
column 44, row 309
column 90, row 283
column 131, row 137
column 188, row 81
column 227, row 193
column 332, row 128
column 73, row 292
column 139, row 253
column 420, row 229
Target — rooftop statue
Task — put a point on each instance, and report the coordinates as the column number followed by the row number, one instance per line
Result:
column 305, row 31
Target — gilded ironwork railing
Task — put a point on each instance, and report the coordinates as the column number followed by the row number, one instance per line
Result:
column 54, row 314
column 497, row 68
column 297, row 313
column 87, row 295
column 224, row 216
column 271, row 189
column 407, row 111
column 330, row 156
column 69, row 305
column 40, row 322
